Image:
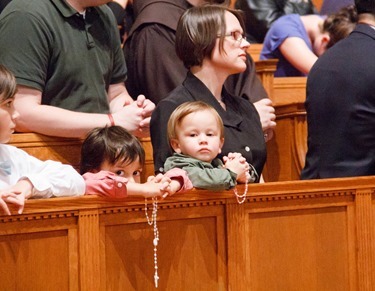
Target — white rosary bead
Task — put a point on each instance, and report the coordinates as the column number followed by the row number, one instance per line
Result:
column 156, row 279
column 155, row 241
column 242, row 198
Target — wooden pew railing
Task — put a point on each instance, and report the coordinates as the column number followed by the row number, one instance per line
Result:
column 265, row 70
column 289, row 90
column 65, row 150
column 287, row 150
column 254, row 50
column 300, row 235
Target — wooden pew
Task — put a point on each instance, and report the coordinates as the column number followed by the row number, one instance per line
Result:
column 254, row 50
column 67, row 150
column 289, row 90
column 265, row 70
column 300, row 235
column 281, row 90
column 287, row 150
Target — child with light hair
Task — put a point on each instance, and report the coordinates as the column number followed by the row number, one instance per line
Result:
column 196, row 135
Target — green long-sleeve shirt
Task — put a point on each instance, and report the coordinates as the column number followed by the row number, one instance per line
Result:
column 210, row 176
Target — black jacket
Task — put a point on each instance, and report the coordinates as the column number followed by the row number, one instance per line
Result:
column 3, row 3
column 260, row 14
column 340, row 106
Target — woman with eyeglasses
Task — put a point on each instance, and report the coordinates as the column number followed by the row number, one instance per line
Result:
column 210, row 41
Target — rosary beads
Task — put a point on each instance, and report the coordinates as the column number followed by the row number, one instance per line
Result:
column 155, row 241
column 241, row 198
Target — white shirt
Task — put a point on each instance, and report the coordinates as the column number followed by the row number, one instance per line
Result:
column 49, row 178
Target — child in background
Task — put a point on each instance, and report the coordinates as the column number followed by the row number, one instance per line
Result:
column 111, row 163
column 21, row 175
column 196, row 134
column 297, row 41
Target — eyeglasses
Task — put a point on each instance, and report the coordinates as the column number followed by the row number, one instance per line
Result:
column 237, row 36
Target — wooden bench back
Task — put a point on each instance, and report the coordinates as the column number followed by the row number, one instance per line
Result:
column 300, row 235
column 254, row 50
column 286, row 151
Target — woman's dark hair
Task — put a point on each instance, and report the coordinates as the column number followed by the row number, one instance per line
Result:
column 339, row 25
column 111, row 144
column 197, row 31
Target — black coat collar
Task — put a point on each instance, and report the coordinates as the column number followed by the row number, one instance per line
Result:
column 199, row 92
